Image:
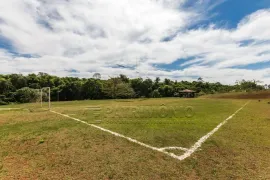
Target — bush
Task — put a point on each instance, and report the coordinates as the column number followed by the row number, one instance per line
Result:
column 10, row 97
column 3, row 103
column 2, row 97
column 26, row 95
column 201, row 93
column 124, row 91
column 3, row 100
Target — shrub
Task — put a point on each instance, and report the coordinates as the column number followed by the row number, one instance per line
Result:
column 3, row 100
column 201, row 93
column 3, row 103
column 26, row 95
column 124, row 91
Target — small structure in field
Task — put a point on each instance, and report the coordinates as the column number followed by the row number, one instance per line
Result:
column 187, row 93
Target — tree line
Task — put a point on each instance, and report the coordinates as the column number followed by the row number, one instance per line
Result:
column 23, row 89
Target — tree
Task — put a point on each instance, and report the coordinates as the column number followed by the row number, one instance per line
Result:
column 146, row 88
column 124, row 91
column 18, row 81
column 97, row 76
column 92, row 89
column 71, row 90
column 200, row 79
column 124, row 78
column 12, row 87
column 156, row 94
column 5, row 86
column 156, row 83
column 33, row 81
column 157, row 80
column 136, row 86
column 110, row 87
column 167, row 81
column 249, row 85
column 166, row 91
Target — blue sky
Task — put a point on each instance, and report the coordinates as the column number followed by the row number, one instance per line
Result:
column 231, row 12
column 221, row 41
column 5, row 44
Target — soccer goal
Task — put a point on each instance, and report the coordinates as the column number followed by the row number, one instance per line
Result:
column 39, row 99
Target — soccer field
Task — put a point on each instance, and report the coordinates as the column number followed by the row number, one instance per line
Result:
column 168, row 138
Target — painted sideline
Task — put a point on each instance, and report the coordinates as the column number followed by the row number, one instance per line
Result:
column 204, row 138
column 188, row 152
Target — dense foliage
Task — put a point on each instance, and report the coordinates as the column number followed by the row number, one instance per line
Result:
column 19, row 88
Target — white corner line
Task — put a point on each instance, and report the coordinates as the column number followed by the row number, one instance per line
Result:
column 207, row 136
column 119, row 135
column 174, row 148
column 188, row 152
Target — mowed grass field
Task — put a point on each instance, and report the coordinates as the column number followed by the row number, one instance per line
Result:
column 38, row 144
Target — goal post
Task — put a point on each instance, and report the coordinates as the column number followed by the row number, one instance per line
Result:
column 45, row 96
column 39, row 99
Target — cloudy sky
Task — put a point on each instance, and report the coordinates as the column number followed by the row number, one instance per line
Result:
column 219, row 40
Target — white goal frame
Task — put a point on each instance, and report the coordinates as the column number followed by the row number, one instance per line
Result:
column 49, row 96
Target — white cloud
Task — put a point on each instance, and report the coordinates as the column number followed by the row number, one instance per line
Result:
column 94, row 35
column 254, row 26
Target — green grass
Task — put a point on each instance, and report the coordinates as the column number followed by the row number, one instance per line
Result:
column 41, row 145
column 158, row 131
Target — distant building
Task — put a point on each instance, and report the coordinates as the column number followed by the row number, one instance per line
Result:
column 187, row 93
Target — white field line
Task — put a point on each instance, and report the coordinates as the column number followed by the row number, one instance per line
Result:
column 174, row 148
column 188, row 152
column 120, row 135
column 204, row 138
